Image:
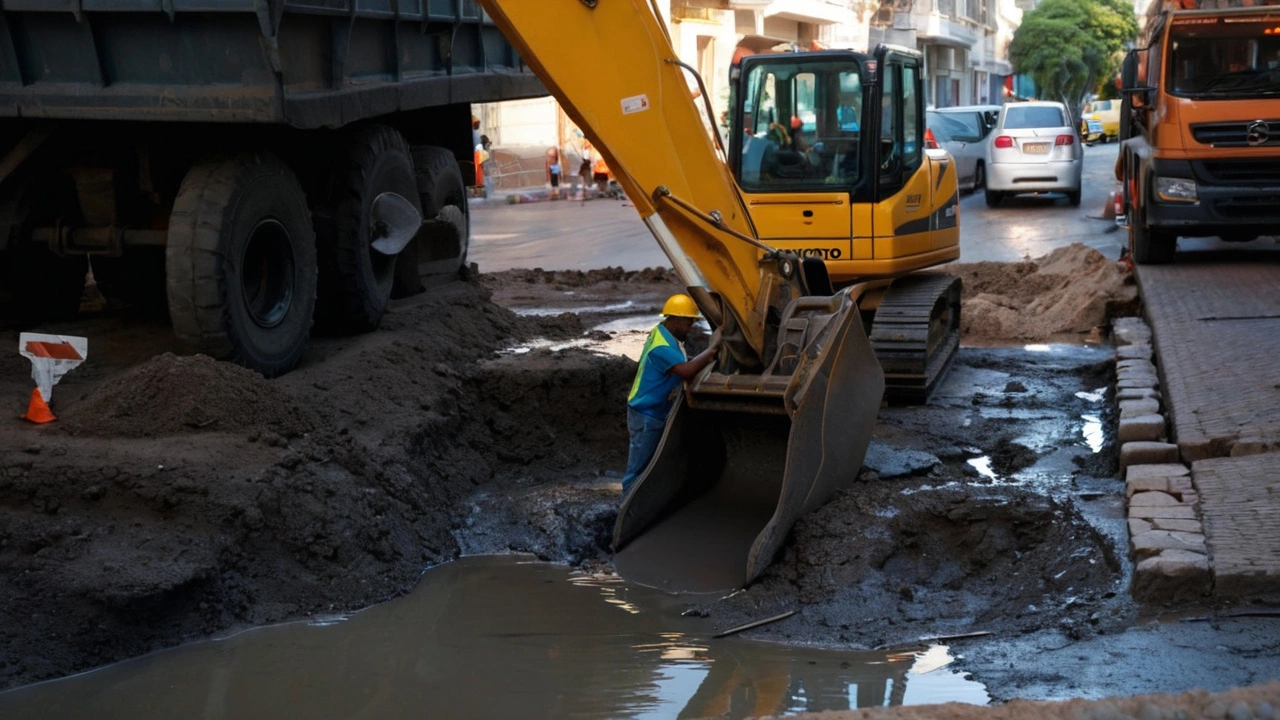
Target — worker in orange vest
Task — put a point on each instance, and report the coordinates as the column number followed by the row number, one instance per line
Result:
column 600, row 173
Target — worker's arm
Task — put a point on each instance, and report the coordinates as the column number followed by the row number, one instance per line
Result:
column 691, row 367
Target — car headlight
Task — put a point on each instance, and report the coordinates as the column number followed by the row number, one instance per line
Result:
column 1176, row 190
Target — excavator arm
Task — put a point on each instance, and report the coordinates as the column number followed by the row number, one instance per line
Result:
column 611, row 67
column 782, row 420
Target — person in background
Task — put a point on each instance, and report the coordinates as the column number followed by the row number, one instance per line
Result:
column 487, row 164
column 584, row 170
column 663, row 368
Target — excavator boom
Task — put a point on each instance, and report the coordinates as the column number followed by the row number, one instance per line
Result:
column 611, row 67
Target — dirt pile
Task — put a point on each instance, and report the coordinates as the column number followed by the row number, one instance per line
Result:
column 135, row 523
column 1070, row 291
column 173, row 394
column 886, row 563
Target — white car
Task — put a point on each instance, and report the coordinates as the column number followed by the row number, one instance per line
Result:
column 962, row 131
column 1034, row 149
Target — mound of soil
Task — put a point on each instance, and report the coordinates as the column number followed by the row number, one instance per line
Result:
column 173, row 394
column 886, row 563
column 1070, row 291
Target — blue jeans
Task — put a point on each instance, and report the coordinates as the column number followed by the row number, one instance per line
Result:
column 645, row 431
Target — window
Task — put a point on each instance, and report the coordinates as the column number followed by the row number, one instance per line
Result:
column 902, row 113
column 912, row 107
column 960, row 127
column 1221, row 59
column 799, row 125
column 1039, row 116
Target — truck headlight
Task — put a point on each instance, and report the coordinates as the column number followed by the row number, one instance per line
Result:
column 1176, row 190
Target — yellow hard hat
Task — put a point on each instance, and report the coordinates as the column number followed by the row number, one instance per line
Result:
column 680, row 305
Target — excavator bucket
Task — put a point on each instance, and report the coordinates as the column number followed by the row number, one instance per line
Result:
column 742, row 458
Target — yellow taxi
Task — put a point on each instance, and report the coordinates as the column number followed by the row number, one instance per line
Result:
column 1106, row 112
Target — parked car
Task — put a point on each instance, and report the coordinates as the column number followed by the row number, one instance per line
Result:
column 1106, row 113
column 1034, row 149
column 962, row 131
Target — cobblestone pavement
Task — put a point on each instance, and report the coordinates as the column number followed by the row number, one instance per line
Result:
column 1215, row 321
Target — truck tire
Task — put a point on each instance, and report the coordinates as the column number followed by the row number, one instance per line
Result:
column 240, row 263
column 36, row 284
column 1150, row 247
column 356, row 280
column 446, row 236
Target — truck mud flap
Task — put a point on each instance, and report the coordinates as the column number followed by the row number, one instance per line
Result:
column 724, row 488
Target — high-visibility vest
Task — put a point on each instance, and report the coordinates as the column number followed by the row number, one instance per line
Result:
column 599, row 167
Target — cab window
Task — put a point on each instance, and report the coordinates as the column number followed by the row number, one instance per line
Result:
column 798, row 126
column 901, row 116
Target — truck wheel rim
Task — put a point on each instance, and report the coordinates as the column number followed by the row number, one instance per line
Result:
column 266, row 275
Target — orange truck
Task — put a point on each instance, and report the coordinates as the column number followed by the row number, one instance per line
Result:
column 1200, row 125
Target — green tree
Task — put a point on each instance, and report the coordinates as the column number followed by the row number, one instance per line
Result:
column 1070, row 47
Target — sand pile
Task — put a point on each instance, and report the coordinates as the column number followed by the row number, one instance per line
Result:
column 171, row 394
column 1070, row 291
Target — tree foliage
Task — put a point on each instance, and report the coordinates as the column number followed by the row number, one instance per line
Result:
column 1070, row 46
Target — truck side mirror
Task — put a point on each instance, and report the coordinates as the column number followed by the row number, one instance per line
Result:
column 1129, row 70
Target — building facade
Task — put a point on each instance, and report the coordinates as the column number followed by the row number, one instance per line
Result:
column 965, row 45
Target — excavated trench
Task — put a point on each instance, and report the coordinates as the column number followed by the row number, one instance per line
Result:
column 180, row 498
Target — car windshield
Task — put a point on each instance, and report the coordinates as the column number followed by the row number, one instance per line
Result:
column 1040, row 116
column 1213, row 58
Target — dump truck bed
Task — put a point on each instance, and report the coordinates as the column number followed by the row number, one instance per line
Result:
column 302, row 63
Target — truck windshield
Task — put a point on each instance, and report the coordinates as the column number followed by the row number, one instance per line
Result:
column 1219, row 57
column 799, row 126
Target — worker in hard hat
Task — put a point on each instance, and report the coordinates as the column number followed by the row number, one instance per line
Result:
column 663, row 366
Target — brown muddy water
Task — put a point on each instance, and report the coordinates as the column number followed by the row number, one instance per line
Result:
column 497, row 637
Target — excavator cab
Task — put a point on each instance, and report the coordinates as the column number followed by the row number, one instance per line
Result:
column 787, row 235
column 828, row 150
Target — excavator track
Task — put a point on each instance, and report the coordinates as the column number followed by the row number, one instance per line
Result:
column 915, row 335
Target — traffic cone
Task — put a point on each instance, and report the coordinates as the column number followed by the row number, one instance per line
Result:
column 1109, row 207
column 38, row 410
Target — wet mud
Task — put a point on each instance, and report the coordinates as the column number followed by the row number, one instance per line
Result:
column 180, row 498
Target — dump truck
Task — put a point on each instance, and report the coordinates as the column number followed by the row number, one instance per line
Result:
column 1200, row 125
column 801, row 238
column 244, row 167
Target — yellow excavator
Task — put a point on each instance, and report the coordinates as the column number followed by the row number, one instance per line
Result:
column 803, row 229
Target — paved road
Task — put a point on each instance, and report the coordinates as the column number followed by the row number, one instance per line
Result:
column 573, row 235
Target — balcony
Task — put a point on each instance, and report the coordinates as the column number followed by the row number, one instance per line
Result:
column 816, row 12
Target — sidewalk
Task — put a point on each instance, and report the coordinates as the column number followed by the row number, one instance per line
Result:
column 520, row 196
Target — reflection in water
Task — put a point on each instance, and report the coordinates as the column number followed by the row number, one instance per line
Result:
column 552, row 312
column 1094, row 436
column 626, row 336
column 983, row 466
column 496, row 637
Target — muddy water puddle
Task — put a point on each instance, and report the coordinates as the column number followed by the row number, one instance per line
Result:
column 498, row 637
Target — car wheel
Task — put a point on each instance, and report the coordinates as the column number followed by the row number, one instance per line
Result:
column 994, row 197
column 1073, row 198
column 979, row 177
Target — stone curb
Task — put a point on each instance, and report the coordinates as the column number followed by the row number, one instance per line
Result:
column 1166, row 535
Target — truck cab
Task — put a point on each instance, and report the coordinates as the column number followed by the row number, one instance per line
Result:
column 1200, row 125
